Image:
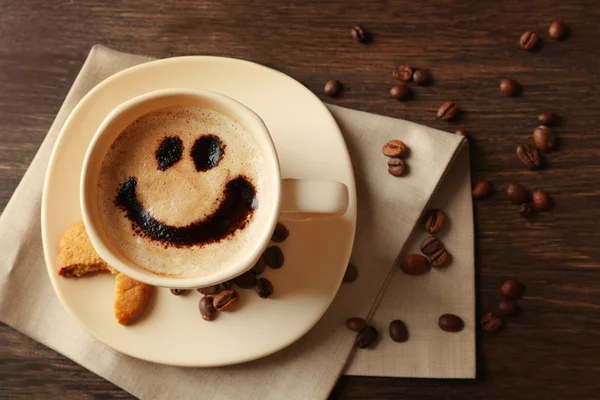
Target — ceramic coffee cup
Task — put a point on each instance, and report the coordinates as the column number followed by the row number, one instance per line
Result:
column 288, row 198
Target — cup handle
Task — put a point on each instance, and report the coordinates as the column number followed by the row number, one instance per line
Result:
column 302, row 198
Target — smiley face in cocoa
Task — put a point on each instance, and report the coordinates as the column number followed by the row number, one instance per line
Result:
column 237, row 202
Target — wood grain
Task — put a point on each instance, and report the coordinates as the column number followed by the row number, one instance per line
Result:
column 551, row 350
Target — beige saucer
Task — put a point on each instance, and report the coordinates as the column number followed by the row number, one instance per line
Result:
column 310, row 145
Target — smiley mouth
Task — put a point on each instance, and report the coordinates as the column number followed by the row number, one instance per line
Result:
column 233, row 213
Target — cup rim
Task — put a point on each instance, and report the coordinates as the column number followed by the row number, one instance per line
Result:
column 89, row 176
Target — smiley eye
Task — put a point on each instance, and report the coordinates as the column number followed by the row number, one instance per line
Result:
column 169, row 152
column 207, row 152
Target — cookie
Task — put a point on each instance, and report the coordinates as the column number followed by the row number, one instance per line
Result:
column 76, row 255
column 131, row 299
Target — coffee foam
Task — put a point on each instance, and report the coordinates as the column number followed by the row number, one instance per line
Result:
column 178, row 195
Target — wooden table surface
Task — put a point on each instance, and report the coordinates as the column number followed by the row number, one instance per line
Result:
column 552, row 350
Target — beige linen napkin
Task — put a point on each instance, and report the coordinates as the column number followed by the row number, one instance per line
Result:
column 389, row 208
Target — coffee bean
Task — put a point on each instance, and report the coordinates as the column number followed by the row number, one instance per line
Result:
column 351, row 273
column 274, row 257
column 333, row 88
column 260, row 265
column 511, row 289
column 178, row 292
column 525, row 210
column 516, row 193
column 214, row 289
column 226, row 300
column 400, row 92
column 394, row 148
column 557, row 30
column 447, row 111
column 529, row 155
column 450, row 323
column 367, row 337
column 491, row 323
column 510, row 87
column 430, row 245
column 547, row 118
column 421, row 77
column 247, row 280
column 439, row 259
column 207, row 309
column 507, row 308
column 461, row 132
column 528, row 40
column 482, row 189
column 415, row 264
column 543, row 138
column 403, row 72
column 396, row 166
column 541, row 200
column 356, row 324
column 264, row 288
column 280, row 234
column 398, row 331
column 434, row 220
column 359, row 34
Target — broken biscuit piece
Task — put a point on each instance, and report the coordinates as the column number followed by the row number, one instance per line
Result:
column 131, row 299
column 76, row 255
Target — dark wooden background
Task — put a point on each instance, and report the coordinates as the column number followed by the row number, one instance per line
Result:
column 551, row 351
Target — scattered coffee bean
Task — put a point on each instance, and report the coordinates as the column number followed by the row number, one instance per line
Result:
column 529, row 155
column 264, row 288
column 207, row 309
column 525, row 210
column 226, row 285
column 210, row 290
column 491, row 323
column 260, row 265
column 359, row 34
column 511, row 289
column 434, row 220
column 351, row 273
column 396, row 166
column 547, row 118
column 356, row 324
column 557, row 30
column 510, row 87
column 274, row 257
column 447, row 111
column 541, row 200
column 280, row 234
column 400, row 92
column 247, row 280
column 333, row 88
column 403, row 72
column 543, row 138
column 507, row 308
column 367, row 337
column 398, row 331
column 450, row 323
column 394, row 148
column 178, row 292
column 226, row 300
column 430, row 245
column 482, row 189
column 415, row 264
column 516, row 193
column 421, row 77
column 528, row 40
column 439, row 259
